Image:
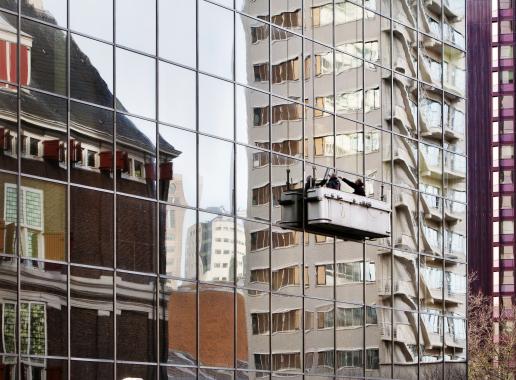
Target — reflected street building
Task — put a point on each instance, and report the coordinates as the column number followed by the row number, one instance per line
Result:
column 143, row 170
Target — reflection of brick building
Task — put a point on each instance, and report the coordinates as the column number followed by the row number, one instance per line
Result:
column 216, row 320
column 92, row 161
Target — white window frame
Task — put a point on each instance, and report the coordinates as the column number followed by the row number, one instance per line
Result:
column 24, row 227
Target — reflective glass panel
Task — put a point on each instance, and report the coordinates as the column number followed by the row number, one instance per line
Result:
column 216, row 47
column 177, row 96
column 216, row 112
column 91, row 313
column 136, row 234
column 91, row 71
column 135, row 83
column 91, row 140
column 94, row 18
column 44, row 66
column 177, row 250
column 177, row 160
column 136, row 24
column 91, row 227
column 177, row 27
column 131, row 289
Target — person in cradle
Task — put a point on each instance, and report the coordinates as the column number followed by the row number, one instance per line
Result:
column 332, row 182
column 357, row 186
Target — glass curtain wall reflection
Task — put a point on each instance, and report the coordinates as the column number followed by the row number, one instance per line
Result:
column 144, row 149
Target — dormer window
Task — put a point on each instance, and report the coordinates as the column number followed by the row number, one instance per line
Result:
column 90, row 158
column 33, row 146
column 138, row 169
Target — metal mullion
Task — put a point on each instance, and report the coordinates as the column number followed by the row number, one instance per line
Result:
column 197, row 293
column 234, row 205
column 391, row 68
column 443, row 186
column 18, row 197
column 418, row 256
column 68, row 188
column 114, row 194
column 269, row 41
column 334, row 126
column 363, row 172
column 157, row 205
column 303, row 136
column 43, row 22
column 467, row 179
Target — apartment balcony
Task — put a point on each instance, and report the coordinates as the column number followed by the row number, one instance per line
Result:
column 505, row 88
column 506, row 138
column 452, row 340
column 405, row 242
column 435, row 6
column 399, row 332
column 452, row 13
column 506, row 163
column 455, row 169
column 505, row 13
column 405, row 119
column 404, row 35
column 429, row 129
column 449, row 298
column 506, row 38
column 431, row 239
column 454, row 212
column 505, row 188
column 429, row 74
column 506, row 63
column 507, row 289
column 430, row 166
column 432, row 207
column 507, row 213
column 386, row 287
column 506, row 264
column 453, row 133
column 507, row 112
column 386, row 331
column 431, row 338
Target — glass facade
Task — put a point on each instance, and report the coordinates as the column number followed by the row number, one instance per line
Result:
column 144, row 148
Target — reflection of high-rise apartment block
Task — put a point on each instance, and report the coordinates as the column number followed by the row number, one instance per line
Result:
column 381, row 113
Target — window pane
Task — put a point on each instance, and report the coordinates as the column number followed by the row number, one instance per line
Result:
column 177, row 96
column 216, row 40
column 93, row 17
column 135, row 83
column 47, row 68
column 136, row 24
column 177, row 27
column 91, row 71
column 91, row 225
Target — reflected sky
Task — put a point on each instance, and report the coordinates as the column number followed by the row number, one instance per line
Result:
column 92, row 17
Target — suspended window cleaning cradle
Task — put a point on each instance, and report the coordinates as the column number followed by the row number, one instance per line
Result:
column 333, row 212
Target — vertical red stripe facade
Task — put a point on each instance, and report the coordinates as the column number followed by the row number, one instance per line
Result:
column 3, row 60
column 24, row 68
column 13, row 58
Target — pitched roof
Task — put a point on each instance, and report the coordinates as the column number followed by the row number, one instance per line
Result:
column 48, row 69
